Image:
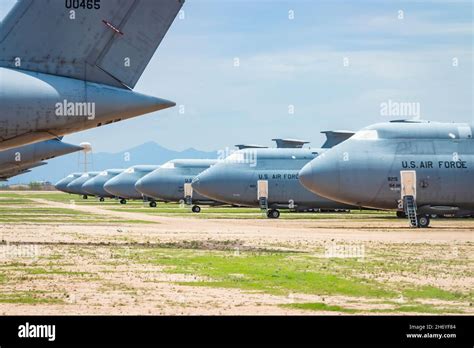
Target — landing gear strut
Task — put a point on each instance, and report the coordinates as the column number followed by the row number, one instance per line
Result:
column 196, row 209
column 273, row 214
column 123, row 201
column 153, row 204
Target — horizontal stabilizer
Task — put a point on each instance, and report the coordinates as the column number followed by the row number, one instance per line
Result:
column 290, row 143
column 336, row 137
column 249, row 146
column 25, row 139
column 108, row 42
column 7, row 173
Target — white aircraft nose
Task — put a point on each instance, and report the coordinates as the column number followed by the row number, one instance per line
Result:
column 146, row 186
column 321, row 176
column 203, row 184
column 306, row 176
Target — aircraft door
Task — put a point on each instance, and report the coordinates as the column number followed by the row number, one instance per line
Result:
column 188, row 194
column 408, row 183
column 262, row 193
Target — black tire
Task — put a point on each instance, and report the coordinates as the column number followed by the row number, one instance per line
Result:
column 152, row 204
column 273, row 214
column 196, row 209
column 123, row 201
column 84, row 197
column 423, row 221
column 101, row 199
column 401, row 215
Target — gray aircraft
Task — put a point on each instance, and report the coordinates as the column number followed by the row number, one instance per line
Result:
column 265, row 177
column 95, row 185
column 21, row 159
column 167, row 183
column 75, row 186
column 67, row 66
column 61, row 185
column 418, row 168
column 123, row 185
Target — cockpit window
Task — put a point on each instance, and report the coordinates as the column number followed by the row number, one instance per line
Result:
column 366, row 134
column 237, row 157
column 168, row 165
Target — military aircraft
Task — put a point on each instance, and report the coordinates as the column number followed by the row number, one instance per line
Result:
column 20, row 160
column 61, row 185
column 416, row 167
column 67, row 66
column 265, row 177
column 123, row 185
column 168, row 182
column 75, row 186
column 95, row 185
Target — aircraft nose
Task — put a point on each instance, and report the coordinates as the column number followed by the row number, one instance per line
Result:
column 306, row 176
column 321, row 176
column 74, row 187
column 204, row 184
column 90, row 187
column 60, row 185
column 115, row 188
column 146, row 187
column 196, row 183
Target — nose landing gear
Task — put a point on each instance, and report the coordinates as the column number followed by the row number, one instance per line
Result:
column 273, row 214
column 423, row 221
column 196, row 209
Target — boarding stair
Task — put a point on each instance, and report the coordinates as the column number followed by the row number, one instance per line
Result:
column 409, row 206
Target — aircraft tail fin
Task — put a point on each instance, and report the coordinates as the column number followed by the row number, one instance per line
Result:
column 336, row 137
column 109, row 42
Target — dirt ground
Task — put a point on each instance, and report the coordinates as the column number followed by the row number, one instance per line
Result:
column 131, row 288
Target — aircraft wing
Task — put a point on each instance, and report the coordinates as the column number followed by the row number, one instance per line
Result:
column 104, row 41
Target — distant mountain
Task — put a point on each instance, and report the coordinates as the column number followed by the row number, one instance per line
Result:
column 147, row 153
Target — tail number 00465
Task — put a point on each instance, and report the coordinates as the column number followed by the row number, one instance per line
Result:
column 85, row 4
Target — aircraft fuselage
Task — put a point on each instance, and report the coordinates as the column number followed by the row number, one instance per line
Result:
column 367, row 172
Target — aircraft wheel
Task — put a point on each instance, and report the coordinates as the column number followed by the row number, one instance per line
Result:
column 101, row 199
column 401, row 215
column 84, row 197
column 123, row 201
column 273, row 214
column 423, row 221
column 196, row 209
column 153, row 204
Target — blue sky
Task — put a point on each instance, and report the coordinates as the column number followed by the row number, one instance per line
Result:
column 298, row 63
